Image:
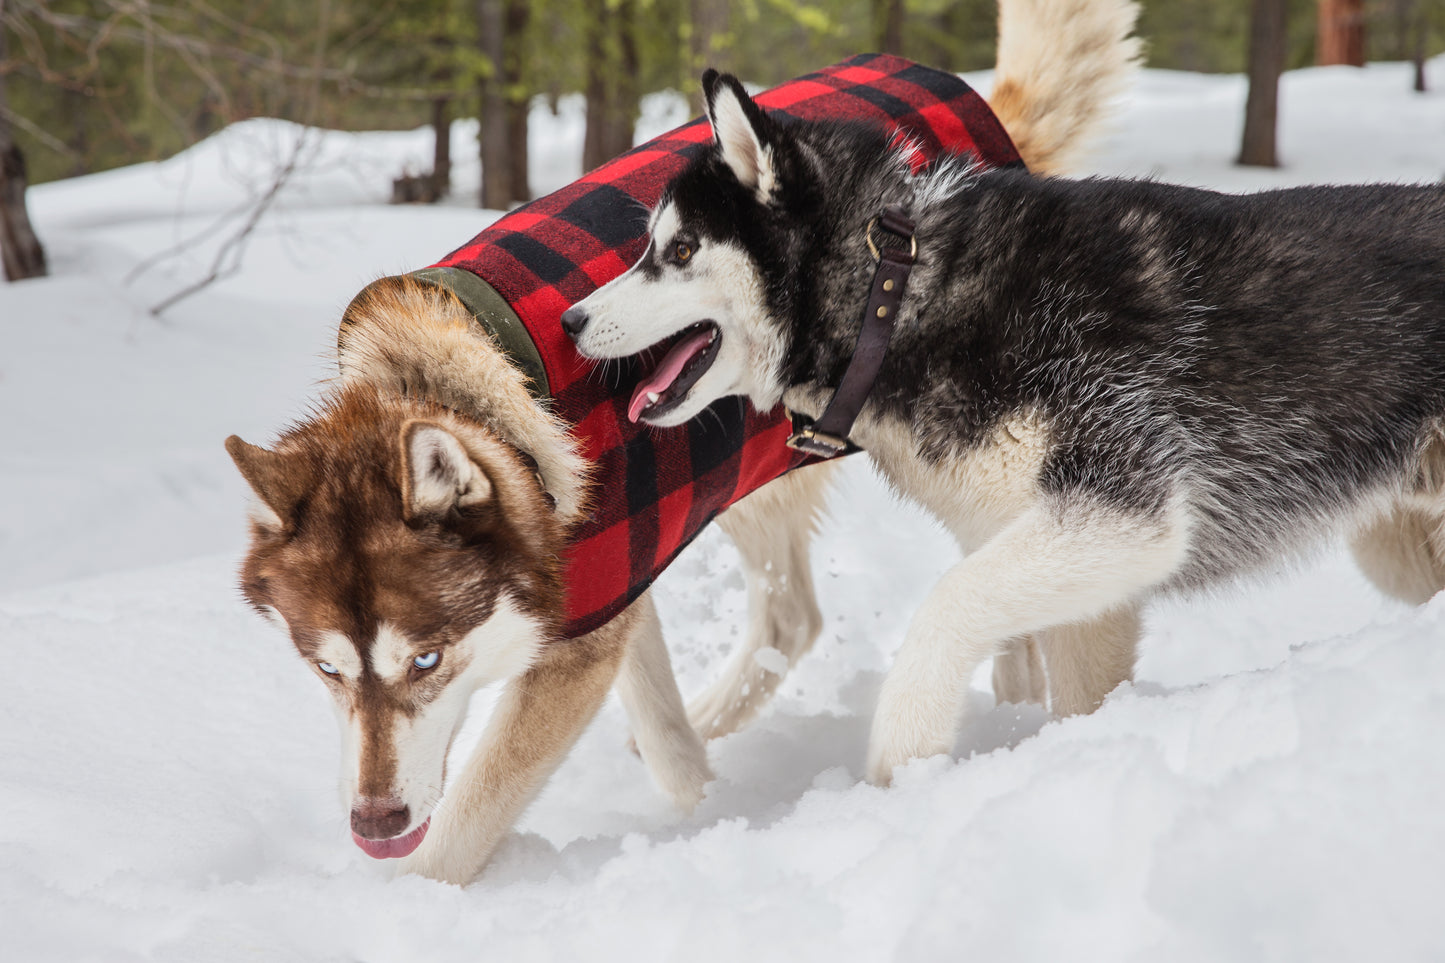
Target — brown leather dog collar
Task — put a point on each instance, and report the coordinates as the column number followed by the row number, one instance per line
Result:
column 828, row 436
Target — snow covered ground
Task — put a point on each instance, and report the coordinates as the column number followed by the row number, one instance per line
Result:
column 1268, row 789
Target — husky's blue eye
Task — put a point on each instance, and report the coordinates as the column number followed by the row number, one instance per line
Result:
column 427, row 661
column 328, row 668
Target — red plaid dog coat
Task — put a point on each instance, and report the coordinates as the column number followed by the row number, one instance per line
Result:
column 657, row 488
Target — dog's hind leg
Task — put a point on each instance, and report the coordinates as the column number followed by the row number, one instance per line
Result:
column 1087, row 660
column 1018, row 673
column 538, row 718
column 773, row 529
column 1050, row 566
column 668, row 744
column 1401, row 553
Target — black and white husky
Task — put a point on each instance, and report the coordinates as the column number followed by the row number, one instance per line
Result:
column 1106, row 389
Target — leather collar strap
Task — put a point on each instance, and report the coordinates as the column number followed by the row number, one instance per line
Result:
column 828, row 436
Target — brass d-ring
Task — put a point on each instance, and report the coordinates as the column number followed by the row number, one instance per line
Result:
column 912, row 242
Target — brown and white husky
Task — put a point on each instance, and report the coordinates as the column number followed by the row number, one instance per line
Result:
column 407, row 533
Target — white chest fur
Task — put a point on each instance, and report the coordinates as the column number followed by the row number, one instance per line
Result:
column 974, row 493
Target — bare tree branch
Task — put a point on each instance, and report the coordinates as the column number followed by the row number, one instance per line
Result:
column 39, row 133
column 228, row 258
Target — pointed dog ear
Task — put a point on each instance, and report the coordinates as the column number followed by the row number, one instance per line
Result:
column 437, row 472
column 279, row 483
column 743, row 134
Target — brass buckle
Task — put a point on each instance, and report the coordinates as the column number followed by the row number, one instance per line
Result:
column 810, row 441
column 877, row 256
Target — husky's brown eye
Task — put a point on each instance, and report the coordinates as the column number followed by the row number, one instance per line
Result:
column 681, row 251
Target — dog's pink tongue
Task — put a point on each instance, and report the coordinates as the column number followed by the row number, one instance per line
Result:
column 394, row 848
column 666, row 373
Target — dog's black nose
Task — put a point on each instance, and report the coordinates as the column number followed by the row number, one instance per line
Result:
column 574, row 319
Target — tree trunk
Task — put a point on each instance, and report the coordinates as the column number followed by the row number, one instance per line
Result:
column 1403, row 11
column 441, row 158
column 1266, row 63
column 1421, row 27
column 888, row 26
column 23, row 254
column 519, row 15
column 496, row 156
column 708, row 45
column 936, row 50
column 611, row 81
column 709, row 37
column 519, row 159
column 1340, row 33
column 594, row 146
column 624, row 91
column 20, row 249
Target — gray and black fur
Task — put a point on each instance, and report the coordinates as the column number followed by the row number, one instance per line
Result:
column 1105, row 388
column 1277, row 356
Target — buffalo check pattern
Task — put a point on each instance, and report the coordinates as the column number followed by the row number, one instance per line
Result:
column 657, row 488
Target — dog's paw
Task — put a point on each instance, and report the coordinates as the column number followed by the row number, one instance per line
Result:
column 423, row 863
column 442, row 859
column 440, row 869
column 688, row 788
column 679, row 767
column 900, row 737
column 720, row 711
column 882, row 765
column 880, row 769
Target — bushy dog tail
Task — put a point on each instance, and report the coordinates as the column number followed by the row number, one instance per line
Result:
column 1061, row 63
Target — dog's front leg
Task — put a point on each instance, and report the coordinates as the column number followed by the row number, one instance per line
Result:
column 1050, row 566
column 665, row 739
column 772, row 529
column 538, row 718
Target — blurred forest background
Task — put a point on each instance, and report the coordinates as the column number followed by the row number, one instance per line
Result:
column 94, row 84
column 87, row 85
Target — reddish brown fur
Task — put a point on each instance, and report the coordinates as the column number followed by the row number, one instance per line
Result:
column 346, row 559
